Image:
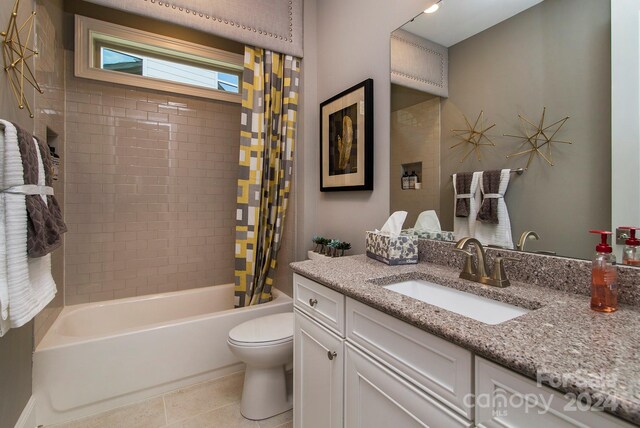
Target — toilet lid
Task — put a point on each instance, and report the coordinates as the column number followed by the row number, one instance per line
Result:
column 270, row 328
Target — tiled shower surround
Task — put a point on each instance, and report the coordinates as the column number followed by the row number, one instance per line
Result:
column 151, row 188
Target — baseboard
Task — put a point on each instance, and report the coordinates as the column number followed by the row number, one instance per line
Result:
column 28, row 416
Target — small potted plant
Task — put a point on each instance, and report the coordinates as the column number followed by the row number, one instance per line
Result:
column 342, row 247
column 318, row 241
column 332, row 247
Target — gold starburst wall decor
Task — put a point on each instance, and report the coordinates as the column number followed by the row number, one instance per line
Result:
column 17, row 53
column 538, row 136
column 475, row 136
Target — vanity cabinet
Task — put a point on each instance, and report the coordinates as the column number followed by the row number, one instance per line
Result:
column 355, row 366
column 318, row 355
column 377, row 397
column 318, row 391
column 506, row 398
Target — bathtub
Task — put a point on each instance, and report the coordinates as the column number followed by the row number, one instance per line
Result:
column 99, row 356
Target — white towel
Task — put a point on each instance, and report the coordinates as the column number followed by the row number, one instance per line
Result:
column 497, row 234
column 26, row 285
column 428, row 221
column 466, row 226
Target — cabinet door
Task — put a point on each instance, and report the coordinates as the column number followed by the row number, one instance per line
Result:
column 507, row 399
column 376, row 397
column 318, row 372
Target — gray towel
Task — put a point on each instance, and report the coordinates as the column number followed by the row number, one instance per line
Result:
column 463, row 186
column 488, row 212
column 45, row 224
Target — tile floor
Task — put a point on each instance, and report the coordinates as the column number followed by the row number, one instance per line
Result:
column 213, row 404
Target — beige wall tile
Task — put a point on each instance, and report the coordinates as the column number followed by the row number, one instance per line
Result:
column 49, row 112
column 151, row 185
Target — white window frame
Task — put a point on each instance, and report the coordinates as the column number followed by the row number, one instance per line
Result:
column 89, row 30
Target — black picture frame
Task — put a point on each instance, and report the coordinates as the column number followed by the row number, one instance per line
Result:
column 346, row 140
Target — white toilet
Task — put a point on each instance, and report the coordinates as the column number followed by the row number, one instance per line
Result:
column 265, row 344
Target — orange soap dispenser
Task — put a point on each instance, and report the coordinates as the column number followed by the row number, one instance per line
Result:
column 604, row 284
column 631, row 253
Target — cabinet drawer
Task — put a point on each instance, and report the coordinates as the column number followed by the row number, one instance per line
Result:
column 319, row 302
column 437, row 366
column 505, row 398
column 377, row 398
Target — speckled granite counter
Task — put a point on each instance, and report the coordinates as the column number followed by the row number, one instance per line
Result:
column 561, row 341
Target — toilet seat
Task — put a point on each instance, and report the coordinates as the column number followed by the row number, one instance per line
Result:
column 263, row 331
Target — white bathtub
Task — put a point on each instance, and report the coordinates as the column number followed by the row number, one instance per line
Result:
column 99, row 356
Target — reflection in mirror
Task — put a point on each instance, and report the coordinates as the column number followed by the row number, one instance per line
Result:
column 478, row 56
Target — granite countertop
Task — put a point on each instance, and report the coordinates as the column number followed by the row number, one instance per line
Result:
column 561, row 340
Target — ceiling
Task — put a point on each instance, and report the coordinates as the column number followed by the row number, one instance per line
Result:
column 456, row 20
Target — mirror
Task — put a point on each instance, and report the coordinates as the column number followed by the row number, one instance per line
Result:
column 510, row 59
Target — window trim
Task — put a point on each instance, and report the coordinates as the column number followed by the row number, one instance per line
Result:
column 86, row 67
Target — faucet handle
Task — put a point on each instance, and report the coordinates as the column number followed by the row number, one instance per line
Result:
column 499, row 276
column 469, row 270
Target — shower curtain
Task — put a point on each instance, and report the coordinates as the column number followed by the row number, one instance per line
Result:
column 267, row 134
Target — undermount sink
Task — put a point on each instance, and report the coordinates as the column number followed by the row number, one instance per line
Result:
column 469, row 305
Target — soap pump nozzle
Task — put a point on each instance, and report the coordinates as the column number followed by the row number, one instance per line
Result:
column 630, row 254
column 632, row 240
column 603, row 246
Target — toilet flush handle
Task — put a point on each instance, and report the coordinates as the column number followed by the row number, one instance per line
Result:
column 331, row 354
column 313, row 302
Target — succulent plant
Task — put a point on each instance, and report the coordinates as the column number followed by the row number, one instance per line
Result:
column 318, row 241
column 332, row 247
column 343, row 246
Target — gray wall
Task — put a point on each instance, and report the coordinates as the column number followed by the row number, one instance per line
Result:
column 15, row 373
column 351, row 40
column 555, row 54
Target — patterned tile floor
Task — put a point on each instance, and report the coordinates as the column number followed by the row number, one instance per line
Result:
column 213, row 404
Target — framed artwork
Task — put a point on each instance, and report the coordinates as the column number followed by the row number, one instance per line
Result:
column 346, row 140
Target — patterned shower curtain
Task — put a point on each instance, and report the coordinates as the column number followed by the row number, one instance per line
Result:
column 267, row 134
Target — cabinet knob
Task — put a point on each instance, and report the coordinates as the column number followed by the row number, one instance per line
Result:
column 313, row 302
column 331, row 354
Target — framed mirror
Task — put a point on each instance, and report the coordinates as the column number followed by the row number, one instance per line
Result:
column 507, row 63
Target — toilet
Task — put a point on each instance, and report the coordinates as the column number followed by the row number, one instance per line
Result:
column 265, row 345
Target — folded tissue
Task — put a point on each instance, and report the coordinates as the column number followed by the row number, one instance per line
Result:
column 393, row 225
column 390, row 245
column 428, row 227
column 428, row 220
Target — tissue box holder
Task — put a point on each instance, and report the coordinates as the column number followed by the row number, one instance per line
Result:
column 402, row 250
column 437, row 236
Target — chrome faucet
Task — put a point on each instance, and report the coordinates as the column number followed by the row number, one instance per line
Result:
column 478, row 272
column 523, row 238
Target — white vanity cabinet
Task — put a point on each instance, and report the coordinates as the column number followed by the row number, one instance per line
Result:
column 318, row 392
column 377, row 397
column 508, row 399
column 357, row 367
column 318, row 355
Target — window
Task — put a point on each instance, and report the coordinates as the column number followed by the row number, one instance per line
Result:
column 118, row 54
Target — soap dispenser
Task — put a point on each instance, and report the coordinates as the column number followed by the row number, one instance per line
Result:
column 405, row 181
column 604, row 286
column 413, row 179
column 631, row 253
